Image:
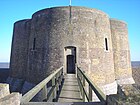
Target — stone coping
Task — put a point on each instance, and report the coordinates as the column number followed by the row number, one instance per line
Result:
column 67, row 7
column 117, row 20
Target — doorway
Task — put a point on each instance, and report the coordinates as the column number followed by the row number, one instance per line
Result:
column 70, row 59
column 70, row 64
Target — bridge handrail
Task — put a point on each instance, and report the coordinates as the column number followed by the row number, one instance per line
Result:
column 92, row 87
column 30, row 94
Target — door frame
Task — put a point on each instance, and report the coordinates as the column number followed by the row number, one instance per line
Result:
column 69, row 50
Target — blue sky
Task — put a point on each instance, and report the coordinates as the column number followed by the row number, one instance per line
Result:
column 14, row 10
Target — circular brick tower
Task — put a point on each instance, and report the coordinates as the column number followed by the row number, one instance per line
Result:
column 65, row 36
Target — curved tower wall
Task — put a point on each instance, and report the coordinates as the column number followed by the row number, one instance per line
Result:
column 122, row 63
column 90, row 27
column 49, row 28
column 19, row 52
column 19, row 55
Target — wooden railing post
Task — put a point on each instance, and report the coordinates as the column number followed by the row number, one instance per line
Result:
column 49, row 95
column 76, row 72
column 44, row 89
column 90, row 93
column 61, row 77
column 53, row 84
column 91, row 87
column 57, row 81
column 83, row 83
column 82, row 91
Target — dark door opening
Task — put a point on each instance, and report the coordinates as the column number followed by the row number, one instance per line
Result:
column 70, row 64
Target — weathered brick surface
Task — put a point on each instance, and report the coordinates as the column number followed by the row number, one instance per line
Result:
column 19, row 51
column 122, row 64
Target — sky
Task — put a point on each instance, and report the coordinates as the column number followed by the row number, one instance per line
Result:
column 14, row 10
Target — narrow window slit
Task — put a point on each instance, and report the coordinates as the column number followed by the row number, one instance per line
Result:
column 106, row 44
column 95, row 23
column 34, row 43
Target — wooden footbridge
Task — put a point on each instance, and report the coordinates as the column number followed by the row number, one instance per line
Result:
column 68, row 89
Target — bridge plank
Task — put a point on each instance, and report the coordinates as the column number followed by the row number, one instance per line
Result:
column 70, row 91
column 63, row 103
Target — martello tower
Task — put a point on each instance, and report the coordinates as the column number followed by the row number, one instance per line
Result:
column 65, row 36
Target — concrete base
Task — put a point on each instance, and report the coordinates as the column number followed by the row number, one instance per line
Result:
column 110, row 88
column 107, row 90
column 126, row 81
column 9, row 80
column 26, row 87
column 15, row 84
column 95, row 98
